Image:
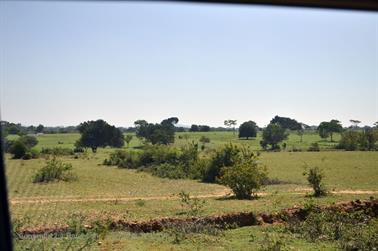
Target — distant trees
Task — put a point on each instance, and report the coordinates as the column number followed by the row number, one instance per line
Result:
column 230, row 123
column 194, row 128
column 248, row 129
column 39, row 128
column 327, row 129
column 352, row 140
column 199, row 128
column 272, row 135
column 99, row 133
column 354, row 122
column 163, row 133
column 286, row 123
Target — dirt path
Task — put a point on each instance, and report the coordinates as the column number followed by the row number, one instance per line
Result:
column 226, row 192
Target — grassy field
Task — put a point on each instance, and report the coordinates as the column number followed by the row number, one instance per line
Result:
column 132, row 195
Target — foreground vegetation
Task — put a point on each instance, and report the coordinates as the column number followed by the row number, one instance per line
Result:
column 101, row 191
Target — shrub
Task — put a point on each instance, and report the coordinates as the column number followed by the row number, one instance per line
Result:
column 123, row 159
column 31, row 154
column 226, row 157
column 18, row 149
column 353, row 231
column 349, row 140
column 57, row 151
column 192, row 206
column 204, row 139
column 245, row 178
column 158, row 154
column 167, row 170
column 78, row 149
column 54, row 170
column 315, row 179
column 28, row 140
column 314, row 147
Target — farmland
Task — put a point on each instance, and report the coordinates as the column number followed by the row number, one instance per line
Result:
column 108, row 191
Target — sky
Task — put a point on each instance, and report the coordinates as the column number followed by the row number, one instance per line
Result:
column 62, row 63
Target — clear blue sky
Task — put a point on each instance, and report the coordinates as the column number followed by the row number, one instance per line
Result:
column 66, row 62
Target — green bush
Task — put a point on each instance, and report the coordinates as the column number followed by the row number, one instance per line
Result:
column 315, row 179
column 170, row 171
column 57, row 151
column 349, row 140
column 54, row 170
column 28, row 140
column 18, row 149
column 123, row 159
column 228, row 156
column 352, row 231
column 245, row 178
column 314, row 147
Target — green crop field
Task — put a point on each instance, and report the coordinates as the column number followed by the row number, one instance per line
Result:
column 134, row 195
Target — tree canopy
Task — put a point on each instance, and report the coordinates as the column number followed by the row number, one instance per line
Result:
column 99, row 133
column 163, row 133
column 286, row 123
column 327, row 129
column 248, row 129
column 272, row 135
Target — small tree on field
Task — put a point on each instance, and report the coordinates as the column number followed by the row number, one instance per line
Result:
column 272, row 135
column 39, row 129
column 248, row 129
column 54, row 170
column 245, row 178
column 128, row 139
column 230, row 123
column 315, row 177
column 98, row 133
column 326, row 129
column 18, row 149
column 29, row 141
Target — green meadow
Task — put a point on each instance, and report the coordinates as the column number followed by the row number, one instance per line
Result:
column 134, row 195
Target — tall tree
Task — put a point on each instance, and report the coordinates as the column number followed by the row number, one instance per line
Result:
column 286, row 123
column 163, row 133
column 99, row 133
column 354, row 122
column 248, row 129
column 39, row 128
column 326, row 129
column 272, row 135
column 230, row 123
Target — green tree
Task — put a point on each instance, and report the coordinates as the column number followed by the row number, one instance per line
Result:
column 326, row 129
column 194, row 128
column 163, row 133
column 28, row 140
column 99, row 133
column 245, row 178
column 273, row 134
column 18, row 149
column 286, row 123
column 315, row 179
column 248, row 129
column 230, row 123
column 39, row 129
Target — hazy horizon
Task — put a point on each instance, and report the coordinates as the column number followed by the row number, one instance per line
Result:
column 63, row 63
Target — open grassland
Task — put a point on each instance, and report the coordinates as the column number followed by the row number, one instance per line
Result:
column 132, row 195
column 67, row 140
